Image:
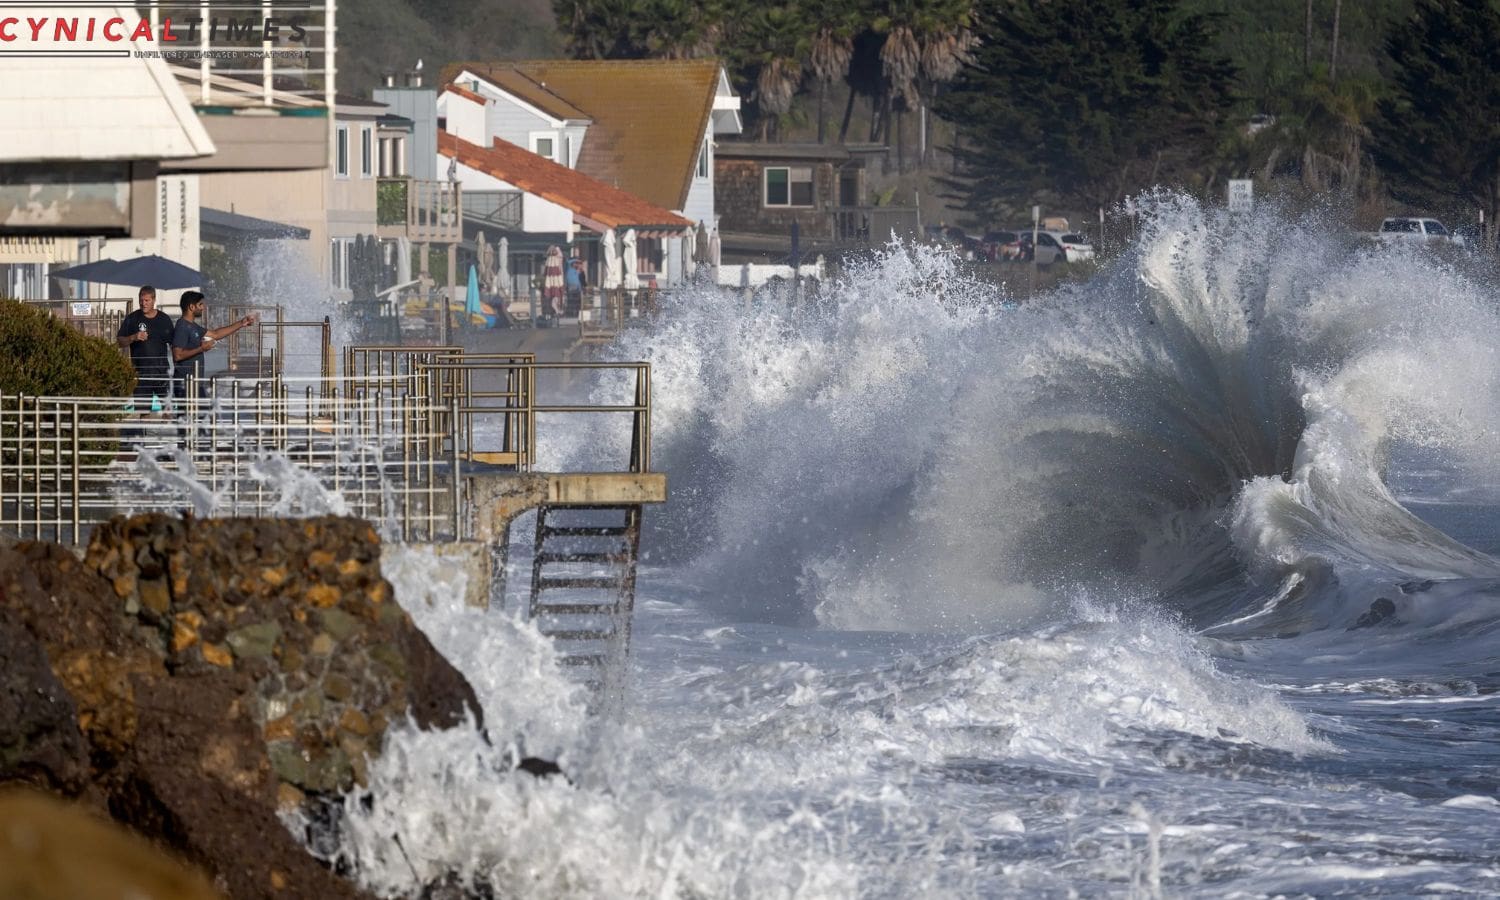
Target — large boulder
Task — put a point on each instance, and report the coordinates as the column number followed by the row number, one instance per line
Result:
column 223, row 674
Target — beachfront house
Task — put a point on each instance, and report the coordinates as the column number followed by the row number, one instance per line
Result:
column 533, row 203
column 646, row 127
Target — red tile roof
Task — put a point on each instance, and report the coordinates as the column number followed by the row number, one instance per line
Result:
column 649, row 115
column 588, row 198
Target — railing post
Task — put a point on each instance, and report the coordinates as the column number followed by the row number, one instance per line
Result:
column 327, row 360
column 73, row 493
column 455, row 474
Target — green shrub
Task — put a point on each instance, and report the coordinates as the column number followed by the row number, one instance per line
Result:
column 41, row 356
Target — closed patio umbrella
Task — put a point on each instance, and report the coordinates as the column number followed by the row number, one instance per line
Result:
column 632, row 262
column 612, row 274
column 700, row 245
column 471, row 297
column 502, row 267
column 554, row 286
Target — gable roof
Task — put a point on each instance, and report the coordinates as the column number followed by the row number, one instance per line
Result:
column 465, row 93
column 521, row 86
column 649, row 115
column 593, row 201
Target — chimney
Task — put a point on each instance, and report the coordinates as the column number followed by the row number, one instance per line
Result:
column 413, row 79
column 389, row 78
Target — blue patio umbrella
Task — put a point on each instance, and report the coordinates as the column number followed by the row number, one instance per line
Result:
column 157, row 271
column 471, row 302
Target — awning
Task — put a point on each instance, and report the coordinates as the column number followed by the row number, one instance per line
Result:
column 219, row 227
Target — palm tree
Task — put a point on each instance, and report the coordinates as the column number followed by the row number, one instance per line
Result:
column 777, row 43
column 832, row 49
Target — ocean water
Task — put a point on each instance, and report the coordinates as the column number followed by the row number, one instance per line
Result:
column 1177, row 582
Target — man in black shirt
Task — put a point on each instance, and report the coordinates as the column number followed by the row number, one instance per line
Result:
column 147, row 334
column 191, row 339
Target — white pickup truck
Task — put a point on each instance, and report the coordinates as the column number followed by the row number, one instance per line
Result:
column 1403, row 229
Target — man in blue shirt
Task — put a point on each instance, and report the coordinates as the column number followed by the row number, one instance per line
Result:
column 191, row 339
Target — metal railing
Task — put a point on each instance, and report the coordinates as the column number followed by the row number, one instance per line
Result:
column 614, row 309
column 265, row 349
column 873, row 224
column 392, row 440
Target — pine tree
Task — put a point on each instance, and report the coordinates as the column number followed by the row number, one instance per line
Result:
column 1438, row 133
column 1082, row 104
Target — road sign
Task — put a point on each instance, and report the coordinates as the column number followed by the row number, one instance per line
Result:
column 1241, row 194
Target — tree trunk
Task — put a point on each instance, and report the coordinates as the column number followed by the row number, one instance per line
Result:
column 1307, row 40
column 876, row 106
column 885, row 121
column 900, row 141
column 848, row 115
column 822, row 111
column 1333, row 53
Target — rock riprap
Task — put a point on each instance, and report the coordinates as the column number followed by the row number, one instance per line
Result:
column 215, row 672
column 301, row 609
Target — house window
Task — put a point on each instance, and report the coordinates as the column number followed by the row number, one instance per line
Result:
column 544, row 143
column 341, row 153
column 703, row 160
column 338, row 269
column 648, row 255
column 789, row 186
column 366, row 152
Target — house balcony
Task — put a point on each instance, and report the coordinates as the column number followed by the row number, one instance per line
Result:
column 495, row 212
column 873, row 224
column 421, row 211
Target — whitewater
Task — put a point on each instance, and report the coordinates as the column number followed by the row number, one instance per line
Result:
column 1177, row 581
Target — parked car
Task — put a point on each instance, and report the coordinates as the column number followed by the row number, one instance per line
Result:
column 966, row 244
column 1400, row 229
column 1000, row 246
column 1056, row 246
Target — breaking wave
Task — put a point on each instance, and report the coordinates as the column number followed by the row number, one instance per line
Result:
column 1207, row 421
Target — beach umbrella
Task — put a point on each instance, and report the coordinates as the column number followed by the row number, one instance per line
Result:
column 714, row 249
column 157, row 271
column 687, row 255
column 611, row 244
column 632, row 262
column 471, row 299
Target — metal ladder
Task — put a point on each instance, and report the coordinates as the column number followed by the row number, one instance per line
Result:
column 589, row 567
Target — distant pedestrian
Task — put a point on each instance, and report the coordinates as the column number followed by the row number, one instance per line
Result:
column 147, row 333
column 578, row 281
column 191, row 339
